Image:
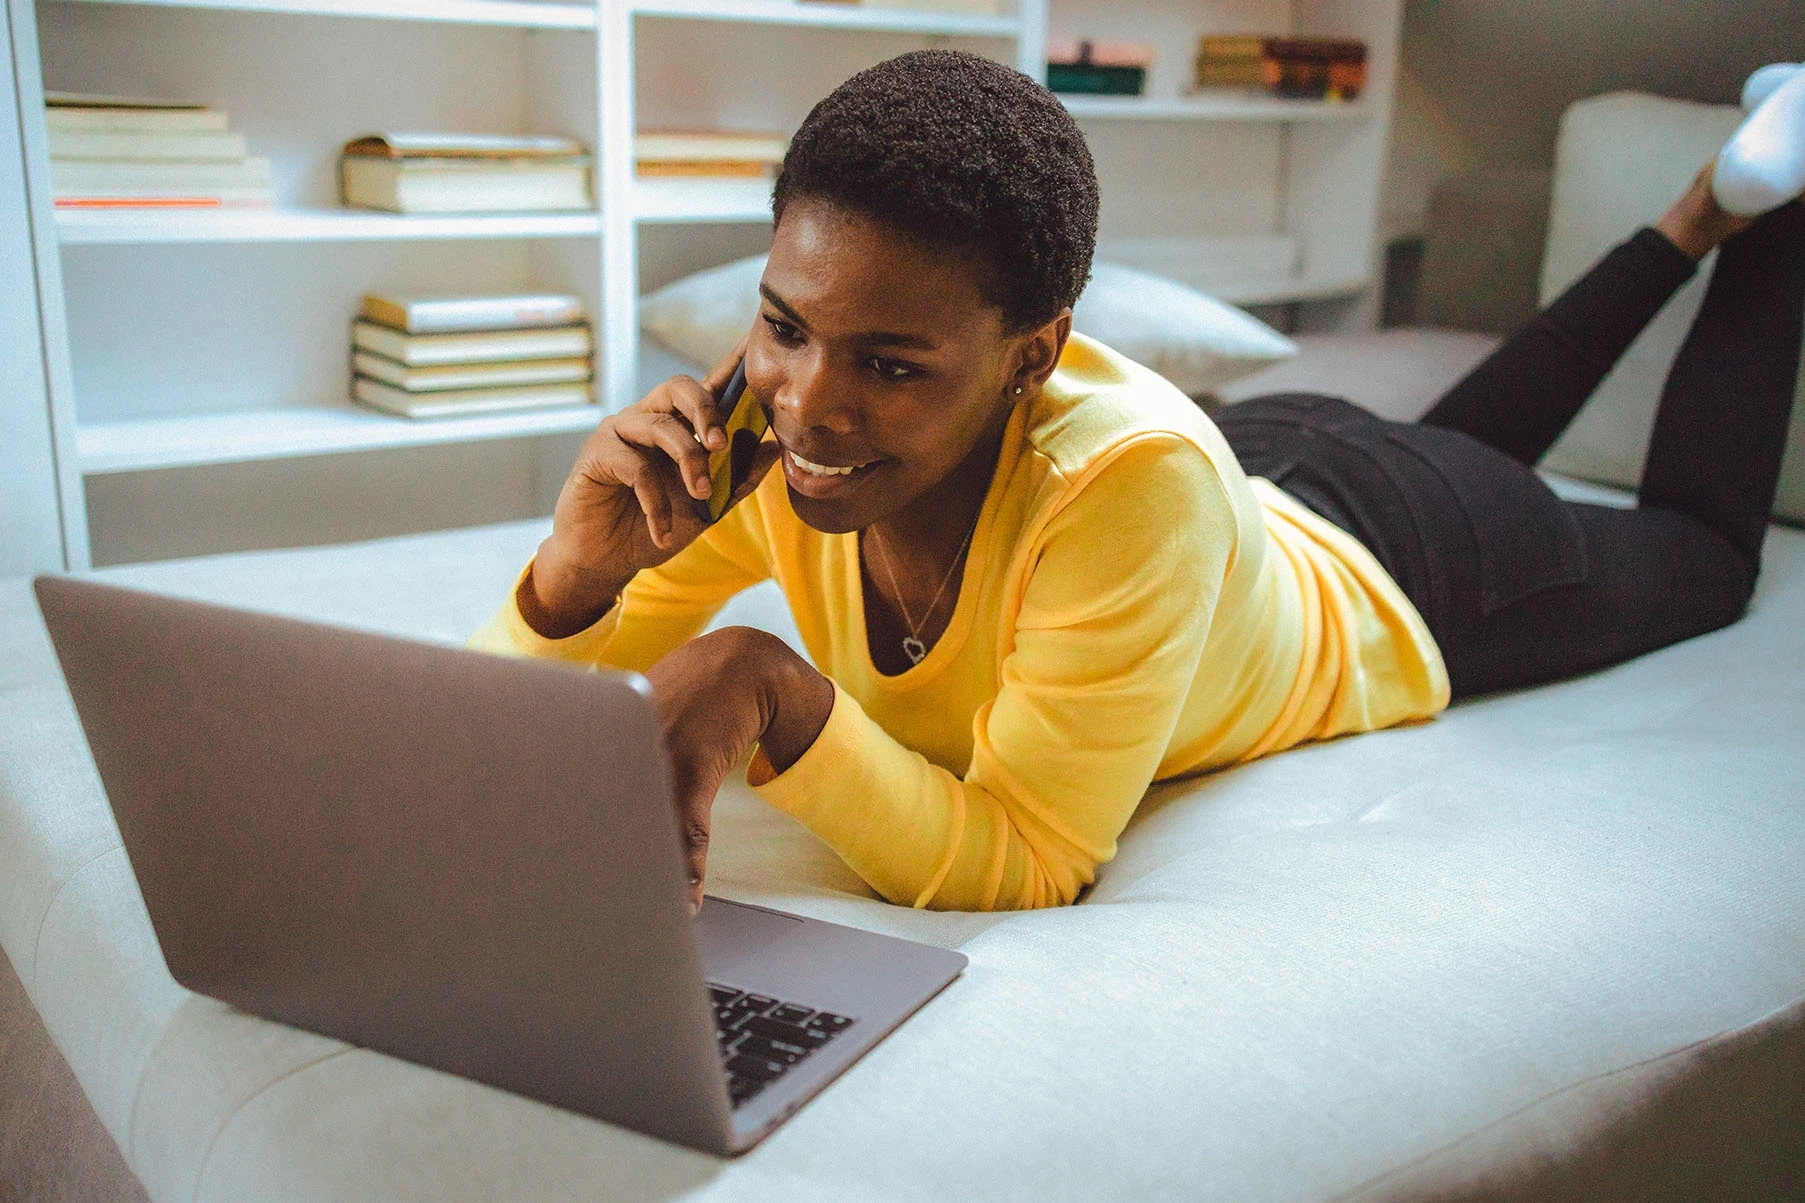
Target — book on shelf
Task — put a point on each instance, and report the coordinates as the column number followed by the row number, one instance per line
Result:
column 707, row 153
column 702, row 145
column 246, row 182
column 463, row 146
column 465, row 173
column 55, row 99
column 443, row 314
column 463, row 186
column 715, row 168
column 86, row 113
column 1297, row 68
column 1098, row 68
column 140, row 202
column 130, row 152
column 192, row 145
column 440, row 377
column 460, row 403
column 475, row 346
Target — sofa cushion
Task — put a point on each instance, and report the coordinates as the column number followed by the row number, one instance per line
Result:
column 1396, row 374
column 1620, row 161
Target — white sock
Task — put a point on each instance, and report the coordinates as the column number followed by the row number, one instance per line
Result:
column 1762, row 166
column 1762, row 83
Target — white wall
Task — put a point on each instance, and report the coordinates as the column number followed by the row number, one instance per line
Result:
column 30, row 532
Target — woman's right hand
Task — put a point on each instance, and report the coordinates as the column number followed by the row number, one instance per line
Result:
column 627, row 502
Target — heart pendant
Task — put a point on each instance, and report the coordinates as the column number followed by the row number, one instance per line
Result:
column 914, row 649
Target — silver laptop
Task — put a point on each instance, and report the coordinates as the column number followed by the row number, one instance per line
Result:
column 467, row 861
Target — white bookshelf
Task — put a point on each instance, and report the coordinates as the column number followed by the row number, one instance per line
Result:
column 831, row 14
column 1192, row 179
column 125, row 227
column 1226, row 107
column 526, row 14
column 329, row 427
column 683, row 200
column 193, row 341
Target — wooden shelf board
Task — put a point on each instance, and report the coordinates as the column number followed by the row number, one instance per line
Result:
column 697, row 200
column 88, row 227
column 536, row 14
column 1229, row 106
column 326, row 429
column 832, row 16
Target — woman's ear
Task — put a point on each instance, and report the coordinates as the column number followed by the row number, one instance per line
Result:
column 1038, row 352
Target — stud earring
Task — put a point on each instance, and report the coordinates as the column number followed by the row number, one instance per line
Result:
column 1018, row 390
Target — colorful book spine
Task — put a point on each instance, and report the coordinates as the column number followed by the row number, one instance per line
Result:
column 1298, row 68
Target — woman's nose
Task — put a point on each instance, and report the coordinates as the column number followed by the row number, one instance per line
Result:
column 813, row 396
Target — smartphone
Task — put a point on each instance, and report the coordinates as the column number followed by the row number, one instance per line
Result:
column 743, row 420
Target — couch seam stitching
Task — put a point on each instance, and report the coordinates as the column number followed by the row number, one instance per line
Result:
column 37, row 940
column 1699, row 1045
column 131, row 1123
column 200, row 1180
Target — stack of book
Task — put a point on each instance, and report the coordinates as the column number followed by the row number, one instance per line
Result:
column 707, row 153
column 441, row 357
column 1298, row 68
column 465, row 173
column 109, row 152
column 1097, row 68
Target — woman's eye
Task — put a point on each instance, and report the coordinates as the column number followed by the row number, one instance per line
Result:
column 782, row 331
column 889, row 369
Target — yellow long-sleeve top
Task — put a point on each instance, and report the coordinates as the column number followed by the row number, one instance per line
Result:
column 1133, row 607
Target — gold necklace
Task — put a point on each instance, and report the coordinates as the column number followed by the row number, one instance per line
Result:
column 912, row 645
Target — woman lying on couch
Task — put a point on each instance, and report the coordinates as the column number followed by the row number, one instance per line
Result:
column 1034, row 578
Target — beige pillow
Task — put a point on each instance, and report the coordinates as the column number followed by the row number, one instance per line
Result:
column 703, row 317
column 1621, row 160
column 1195, row 341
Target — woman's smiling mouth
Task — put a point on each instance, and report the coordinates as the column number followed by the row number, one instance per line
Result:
column 823, row 469
column 816, row 480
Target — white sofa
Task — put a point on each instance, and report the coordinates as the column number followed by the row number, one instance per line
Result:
column 1549, row 945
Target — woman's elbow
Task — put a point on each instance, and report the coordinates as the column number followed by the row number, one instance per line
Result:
column 1035, row 886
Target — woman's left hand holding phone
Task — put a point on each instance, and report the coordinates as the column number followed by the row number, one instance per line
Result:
column 626, row 504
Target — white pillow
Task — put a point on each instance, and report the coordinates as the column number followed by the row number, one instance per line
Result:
column 1195, row 341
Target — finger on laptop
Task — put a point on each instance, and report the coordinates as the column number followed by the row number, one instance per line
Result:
column 695, row 847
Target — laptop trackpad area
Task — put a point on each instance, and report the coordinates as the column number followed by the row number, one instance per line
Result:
column 732, row 937
column 827, row 966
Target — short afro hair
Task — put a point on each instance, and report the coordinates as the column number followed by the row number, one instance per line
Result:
column 959, row 153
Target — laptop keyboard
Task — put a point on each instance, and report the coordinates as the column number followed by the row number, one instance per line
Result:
column 762, row 1037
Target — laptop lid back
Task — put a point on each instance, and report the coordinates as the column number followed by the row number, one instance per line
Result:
column 469, row 862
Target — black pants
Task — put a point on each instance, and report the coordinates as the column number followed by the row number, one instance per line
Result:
column 1517, row 586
